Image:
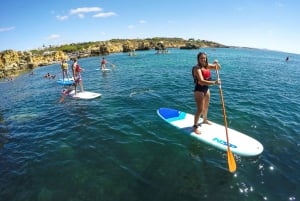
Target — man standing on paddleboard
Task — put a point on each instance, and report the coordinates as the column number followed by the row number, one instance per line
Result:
column 103, row 64
column 76, row 69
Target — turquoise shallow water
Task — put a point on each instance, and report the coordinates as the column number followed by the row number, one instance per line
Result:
column 117, row 148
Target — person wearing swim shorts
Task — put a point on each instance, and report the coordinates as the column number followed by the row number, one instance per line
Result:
column 202, row 80
column 76, row 69
column 103, row 63
column 64, row 69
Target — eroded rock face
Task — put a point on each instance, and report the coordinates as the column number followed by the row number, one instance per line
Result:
column 12, row 62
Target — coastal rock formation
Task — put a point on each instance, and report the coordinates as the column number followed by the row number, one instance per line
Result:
column 13, row 62
column 105, row 48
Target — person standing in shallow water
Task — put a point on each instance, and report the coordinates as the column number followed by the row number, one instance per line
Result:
column 202, row 79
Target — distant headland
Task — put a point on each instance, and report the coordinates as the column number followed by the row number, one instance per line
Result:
column 13, row 62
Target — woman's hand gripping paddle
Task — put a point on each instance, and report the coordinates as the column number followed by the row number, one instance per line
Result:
column 230, row 157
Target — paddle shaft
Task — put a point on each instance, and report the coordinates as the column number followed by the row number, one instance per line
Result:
column 231, row 160
column 223, row 109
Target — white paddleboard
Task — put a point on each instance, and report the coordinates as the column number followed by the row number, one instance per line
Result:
column 66, row 81
column 214, row 134
column 84, row 95
column 104, row 70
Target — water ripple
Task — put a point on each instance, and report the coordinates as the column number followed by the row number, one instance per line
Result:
column 116, row 147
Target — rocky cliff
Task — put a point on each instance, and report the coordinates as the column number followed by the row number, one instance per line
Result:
column 14, row 62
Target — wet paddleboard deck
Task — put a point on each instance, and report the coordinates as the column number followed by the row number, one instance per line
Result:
column 214, row 134
column 104, row 70
column 84, row 95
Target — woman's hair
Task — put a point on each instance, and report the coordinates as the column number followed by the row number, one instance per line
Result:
column 198, row 58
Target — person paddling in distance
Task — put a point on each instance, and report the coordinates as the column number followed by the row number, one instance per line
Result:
column 202, row 80
column 76, row 70
column 104, row 62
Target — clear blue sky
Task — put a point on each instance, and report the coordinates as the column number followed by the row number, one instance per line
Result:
column 269, row 24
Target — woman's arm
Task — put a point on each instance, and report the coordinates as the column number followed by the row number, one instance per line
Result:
column 215, row 65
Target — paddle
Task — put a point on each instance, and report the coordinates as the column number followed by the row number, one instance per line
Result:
column 230, row 158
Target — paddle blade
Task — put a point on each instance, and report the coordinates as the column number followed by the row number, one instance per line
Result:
column 231, row 161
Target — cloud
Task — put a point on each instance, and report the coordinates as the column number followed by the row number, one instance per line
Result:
column 81, row 12
column 77, row 11
column 3, row 29
column 103, row 15
column 142, row 22
column 81, row 16
column 53, row 37
column 65, row 17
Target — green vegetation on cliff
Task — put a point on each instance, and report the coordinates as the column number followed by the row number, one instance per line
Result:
column 135, row 43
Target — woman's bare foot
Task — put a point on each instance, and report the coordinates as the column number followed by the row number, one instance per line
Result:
column 206, row 122
column 196, row 130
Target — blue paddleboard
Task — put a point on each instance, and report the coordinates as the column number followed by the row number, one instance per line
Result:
column 66, row 81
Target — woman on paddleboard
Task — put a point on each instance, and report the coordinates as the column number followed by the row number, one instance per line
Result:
column 202, row 79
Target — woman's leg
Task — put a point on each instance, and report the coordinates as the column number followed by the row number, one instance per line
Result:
column 81, row 86
column 206, row 101
column 199, row 96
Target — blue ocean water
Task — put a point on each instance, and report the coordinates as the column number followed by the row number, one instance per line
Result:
column 117, row 148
